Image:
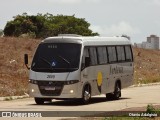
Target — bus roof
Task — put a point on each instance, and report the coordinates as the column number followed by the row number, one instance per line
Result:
column 89, row 41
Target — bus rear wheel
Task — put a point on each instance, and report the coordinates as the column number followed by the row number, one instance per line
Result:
column 86, row 96
column 109, row 96
column 117, row 91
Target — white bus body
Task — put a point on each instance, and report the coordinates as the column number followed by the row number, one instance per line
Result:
column 80, row 67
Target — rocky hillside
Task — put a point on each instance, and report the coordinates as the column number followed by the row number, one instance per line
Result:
column 147, row 66
column 13, row 73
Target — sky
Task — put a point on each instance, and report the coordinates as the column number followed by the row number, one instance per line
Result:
column 135, row 18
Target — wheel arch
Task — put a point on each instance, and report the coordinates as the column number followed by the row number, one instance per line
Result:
column 118, row 81
column 90, row 88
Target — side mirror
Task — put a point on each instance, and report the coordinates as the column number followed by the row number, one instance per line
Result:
column 26, row 60
column 87, row 61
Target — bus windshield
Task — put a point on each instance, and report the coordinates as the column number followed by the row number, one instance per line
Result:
column 56, row 57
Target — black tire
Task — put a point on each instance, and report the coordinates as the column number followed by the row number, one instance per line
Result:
column 86, row 95
column 109, row 96
column 117, row 91
column 39, row 101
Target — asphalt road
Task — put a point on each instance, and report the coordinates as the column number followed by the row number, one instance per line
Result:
column 131, row 97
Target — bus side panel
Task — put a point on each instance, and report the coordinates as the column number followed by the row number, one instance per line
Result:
column 107, row 75
column 128, row 74
column 122, row 72
column 98, row 78
column 88, row 77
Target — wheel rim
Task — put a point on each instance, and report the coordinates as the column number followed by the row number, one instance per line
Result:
column 117, row 91
column 86, row 95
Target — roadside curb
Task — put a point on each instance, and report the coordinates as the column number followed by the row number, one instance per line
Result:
column 8, row 98
column 143, row 85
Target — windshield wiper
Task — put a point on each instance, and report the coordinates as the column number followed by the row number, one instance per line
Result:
column 65, row 60
column 45, row 61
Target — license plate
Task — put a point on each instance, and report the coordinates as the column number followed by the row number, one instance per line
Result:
column 50, row 88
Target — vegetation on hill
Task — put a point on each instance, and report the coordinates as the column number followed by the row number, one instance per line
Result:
column 1, row 32
column 14, row 75
column 41, row 26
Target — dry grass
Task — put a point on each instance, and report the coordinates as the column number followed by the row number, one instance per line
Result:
column 147, row 66
column 14, row 75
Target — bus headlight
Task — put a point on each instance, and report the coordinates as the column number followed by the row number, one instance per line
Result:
column 33, row 81
column 71, row 82
column 71, row 91
column 32, row 90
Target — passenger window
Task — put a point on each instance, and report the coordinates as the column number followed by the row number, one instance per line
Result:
column 128, row 53
column 120, row 53
column 102, row 55
column 112, row 54
column 85, row 54
column 93, row 55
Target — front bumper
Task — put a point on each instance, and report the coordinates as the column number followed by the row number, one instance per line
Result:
column 68, row 91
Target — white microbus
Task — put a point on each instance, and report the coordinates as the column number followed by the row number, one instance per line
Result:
column 80, row 67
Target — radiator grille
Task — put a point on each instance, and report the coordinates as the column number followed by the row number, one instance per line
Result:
column 50, row 88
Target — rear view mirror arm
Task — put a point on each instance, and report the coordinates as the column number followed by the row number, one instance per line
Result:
column 26, row 61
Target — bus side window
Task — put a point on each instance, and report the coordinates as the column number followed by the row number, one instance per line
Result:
column 102, row 55
column 120, row 53
column 93, row 55
column 128, row 53
column 112, row 54
column 85, row 54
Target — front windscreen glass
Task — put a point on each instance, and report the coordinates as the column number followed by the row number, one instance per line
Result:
column 56, row 57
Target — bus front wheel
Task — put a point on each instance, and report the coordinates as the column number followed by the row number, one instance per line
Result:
column 86, row 96
column 39, row 101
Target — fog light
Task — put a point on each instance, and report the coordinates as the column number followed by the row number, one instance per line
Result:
column 71, row 91
column 32, row 90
